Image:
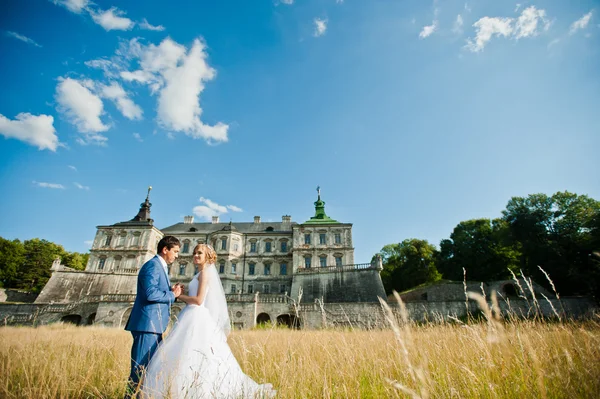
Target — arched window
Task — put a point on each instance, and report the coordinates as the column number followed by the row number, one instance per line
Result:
column 182, row 268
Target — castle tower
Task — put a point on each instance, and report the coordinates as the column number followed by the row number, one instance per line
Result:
column 125, row 246
column 322, row 241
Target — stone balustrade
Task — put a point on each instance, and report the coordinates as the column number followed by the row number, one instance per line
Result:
column 335, row 269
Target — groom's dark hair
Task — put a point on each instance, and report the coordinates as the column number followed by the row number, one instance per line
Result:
column 169, row 242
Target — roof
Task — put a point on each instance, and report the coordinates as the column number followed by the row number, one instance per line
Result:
column 241, row 227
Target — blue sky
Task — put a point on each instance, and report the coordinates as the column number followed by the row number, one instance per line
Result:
column 412, row 116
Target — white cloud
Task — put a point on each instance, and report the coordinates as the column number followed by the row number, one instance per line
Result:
column 288, row 2
column 486, row 28
column 467, row 8
column 524, row 26
column 527, row 23
column 428, row 30
column 89, row 243
column 138, row 137
column 112, row 19
column 79, row 186
column 517, row 7
column 72, row 167
column 22, row 38
column 76, row 6
column 178, row 77
column 581, row 23
column 35, row 130
column 82, row 108
column 128, row 108
column 49, row 185
column 211, row 208
column 320, row 27
column 458, row 24
column 145, row 25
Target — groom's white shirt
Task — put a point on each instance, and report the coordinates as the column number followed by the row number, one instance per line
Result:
column 164, row 264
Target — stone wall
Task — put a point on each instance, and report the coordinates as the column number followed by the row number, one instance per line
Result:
column 338, row 285
column 74, row 286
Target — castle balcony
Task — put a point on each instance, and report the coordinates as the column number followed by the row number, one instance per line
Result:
column 336, row 269
column 110, row 298
column 258, row 297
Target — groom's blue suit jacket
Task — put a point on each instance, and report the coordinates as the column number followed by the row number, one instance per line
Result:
column 153, row 301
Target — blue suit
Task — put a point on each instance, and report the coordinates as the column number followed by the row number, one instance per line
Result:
column 149, row 317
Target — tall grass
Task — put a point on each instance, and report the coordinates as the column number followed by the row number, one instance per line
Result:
column 515, row 359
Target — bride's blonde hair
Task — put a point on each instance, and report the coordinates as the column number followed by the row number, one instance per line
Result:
column 211, row 255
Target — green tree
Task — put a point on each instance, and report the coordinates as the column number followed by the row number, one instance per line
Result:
column 75, row 260
column 408, row 264
column 480, row 246
column 35, row 271
column 12, row 256
column 556, row 233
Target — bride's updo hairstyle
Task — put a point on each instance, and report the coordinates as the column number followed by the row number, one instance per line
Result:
column 211, row 255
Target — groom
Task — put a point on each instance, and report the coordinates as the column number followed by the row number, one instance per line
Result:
column 150, row 314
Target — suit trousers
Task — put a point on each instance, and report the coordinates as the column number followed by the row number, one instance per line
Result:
column 142, row 350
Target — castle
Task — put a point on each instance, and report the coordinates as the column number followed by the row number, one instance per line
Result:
column 301, row 275
column 274, row 272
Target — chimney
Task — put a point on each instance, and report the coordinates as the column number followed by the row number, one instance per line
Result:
column 215, row 219
column 188, row 219
column 286, row 219
column 256, row 219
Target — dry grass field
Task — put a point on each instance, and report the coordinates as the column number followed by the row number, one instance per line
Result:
column 497, row 359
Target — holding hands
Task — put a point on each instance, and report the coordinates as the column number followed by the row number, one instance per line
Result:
column 177, row 289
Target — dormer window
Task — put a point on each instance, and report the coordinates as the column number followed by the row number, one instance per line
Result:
column 269, row 228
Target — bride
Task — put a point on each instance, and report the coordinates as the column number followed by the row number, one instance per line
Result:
column 195, row 360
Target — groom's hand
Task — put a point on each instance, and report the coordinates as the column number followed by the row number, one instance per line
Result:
column 177, row 290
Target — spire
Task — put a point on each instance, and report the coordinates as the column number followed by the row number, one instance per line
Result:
column 320, row 215
column 144, row 213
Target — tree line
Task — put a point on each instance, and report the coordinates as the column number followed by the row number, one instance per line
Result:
column 559, row 234
column 27, row 264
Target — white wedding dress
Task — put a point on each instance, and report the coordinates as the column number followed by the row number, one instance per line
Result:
column 195, row 361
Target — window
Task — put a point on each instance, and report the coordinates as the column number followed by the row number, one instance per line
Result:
column 136, row 239
column 267, row 269
column 131, row 261
column 186, row 247
column 235, row 247
column 233, row 289
column 122, row 239
column 251, row 269
column 224, row 243
column 253, row 246
column 282, row 288
column 118, row 262
column 284, row 246
column 307, row 262
column 307, row 238
column 233, row 268
column 338, row 238
column 323, row 261
column 101, row 263
column 182, row 268
column 322, row 239
column 266, row 289
column 250, row 289
column 283, row 269
column 268, row 246
column 222, row 267
column 338, row 261
column 108, row 240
